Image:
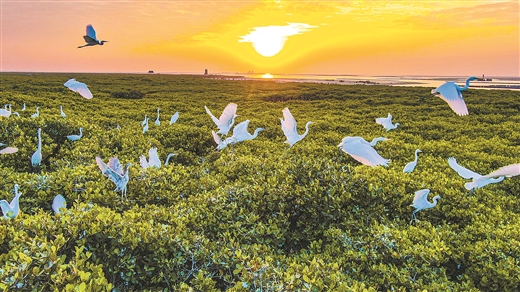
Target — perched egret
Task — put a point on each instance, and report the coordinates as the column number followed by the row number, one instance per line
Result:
column 376, row 140
column 115, row 172
column 36, row 158
column 153, row 159
column 6, row 111
column 420, row 202
column 144, row 121
column 62, row 113
column 451, row 93
column 145, row 128
column 36, row 114
column 76, row 137
column 12, row 209
column 23, row 107
column 174, row 118
column 9, row 150
column 90, row 38
column 168, row 158
column 479, row 181
column 58, row 203
column 157, row 121
column 411, row 165
column 289, row 128
column 361, row 151
column 387, row 123
column 226, row 120
column 79, row 87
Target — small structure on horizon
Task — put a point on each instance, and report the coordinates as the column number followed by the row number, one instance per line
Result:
column 150, row 72
column 484, row 78
column 206, row 72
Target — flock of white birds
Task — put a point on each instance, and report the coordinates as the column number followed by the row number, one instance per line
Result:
column 357, row 147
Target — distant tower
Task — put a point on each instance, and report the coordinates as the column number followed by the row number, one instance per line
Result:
column 205, row 71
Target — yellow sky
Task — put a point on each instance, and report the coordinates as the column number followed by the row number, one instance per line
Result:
column 326, row 37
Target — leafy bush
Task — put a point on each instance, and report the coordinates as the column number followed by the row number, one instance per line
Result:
column 132, row 94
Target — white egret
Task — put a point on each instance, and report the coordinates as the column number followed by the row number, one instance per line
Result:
column 411, row 165
column 507, row 171
column 240, row 132
column 76, row 137
column 174, row 118
column 221, row 144
column 479, row 181
column 168, row 158
column 62, row 113
column 289, row 128
column 387, row 123
column 23, row 107
column 16, row 114
column 144, row 121
column 420, row 202
column 9, row 150
column 451, row 94
column 157, row 121
column 36, row 158
column 79, row 87
column 11, row 210
column 226, row 120
column 376, row 140
column 36, row 114
column 58, row 203
column 115, row 172
column 90, row 38
column 153, row 159
column 361, row 151
column 6, row 111
column 145, row 128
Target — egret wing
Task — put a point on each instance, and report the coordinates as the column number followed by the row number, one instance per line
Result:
column 143, row 162
column 508, row 171
column 421, row 196
column 229, row 113
column 450, row 93
column 462, row 171
column 57, row 203
column 240, row 131
column 115, row 165
column 153, row 157
column 363, row 153
column 9, row 150
column 174, row 118
column 91, row 33
column 105, row 170
column 89, row 40
column 6, row 208
column 79, row 87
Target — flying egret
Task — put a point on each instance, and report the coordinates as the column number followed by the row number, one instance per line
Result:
column 62, row 113
column 221, row 144
column 90, row 38
column 420, row 202
column 6, row 111
column 507, row 171
column 387, row 123
column 12, row 209
column 361, row 151
column 174, row 118
column 115, row 172
column 240, row 132
column 451, row 94
column 9, row 150
column 144, row 121
column 145, row 128
column 36, row 114
column 479, row 181
column 58, row 203
column 376, row 140
column 226, row 120
column 36, row 158
column 76, row 137
column 78, row 87
column 23, row 107
column 157, row 121
column 289, row 128
column 411, row 165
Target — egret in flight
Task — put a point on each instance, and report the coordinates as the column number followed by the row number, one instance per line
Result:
column 359, row 149
column 78, row 87
column 376, row 140
column 289, row 128
column 62, row 113
column 36, row 114
column 12, row 209
column 387, row 123
column 36, row 158
column 115, row 172
column 226, row 120
column 174, row 118
column 58, row 203
column 221, row 144
column 420, row 202
column 9, row 150
column 90, row 38
column 76, row 137
column 451, row 93
column 479, row 181
column 411, row 165
column 240, row 132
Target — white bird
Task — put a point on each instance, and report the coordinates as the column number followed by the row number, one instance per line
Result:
column 478, row 180
column 144, row 121
column 36, row 114
column 79, row 87
column 36, row 158
column 376, row 140
column 145, row 128
column 174, row 118
column 9, row 150
column 221, row 144
column 157, row 121
column 361, row 151
column 23, row 107
column 451, row 94
column 90, row 38
column 411, row 165
column 58, row 203
column 153, row 159
column 76, row 137
column 226, row 120
column 168, row 158
column 62, row 113
column 240, row 132
column 6, row 111
column 16, row 114
column 289, row 128
column 420, row 201
column 115, row 172
column 11, row 210
column 387, row 123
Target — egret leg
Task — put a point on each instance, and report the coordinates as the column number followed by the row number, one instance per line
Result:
column 413, row 217
column 470, row 196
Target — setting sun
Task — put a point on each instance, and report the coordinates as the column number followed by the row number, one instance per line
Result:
column 267, row 76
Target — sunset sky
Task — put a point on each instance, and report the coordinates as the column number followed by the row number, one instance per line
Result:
column 457, row 38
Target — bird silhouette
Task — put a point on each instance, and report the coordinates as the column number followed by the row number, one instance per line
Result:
column 411, row 165
column 36, row 158
column 90, row 38
column 387, row 123
column 115, row 172
column 420, row 201
column 226, row 120
column 78, row 87
column 359, row 149
column 451, row 94
column 289, row 128
column 11, row 210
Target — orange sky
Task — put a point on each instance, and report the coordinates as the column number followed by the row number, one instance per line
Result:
column 325, row 37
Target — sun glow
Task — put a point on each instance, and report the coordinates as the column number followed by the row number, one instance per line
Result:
column 267, row 76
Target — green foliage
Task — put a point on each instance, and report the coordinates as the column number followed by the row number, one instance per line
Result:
column 263, row 217
column 132, row 94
